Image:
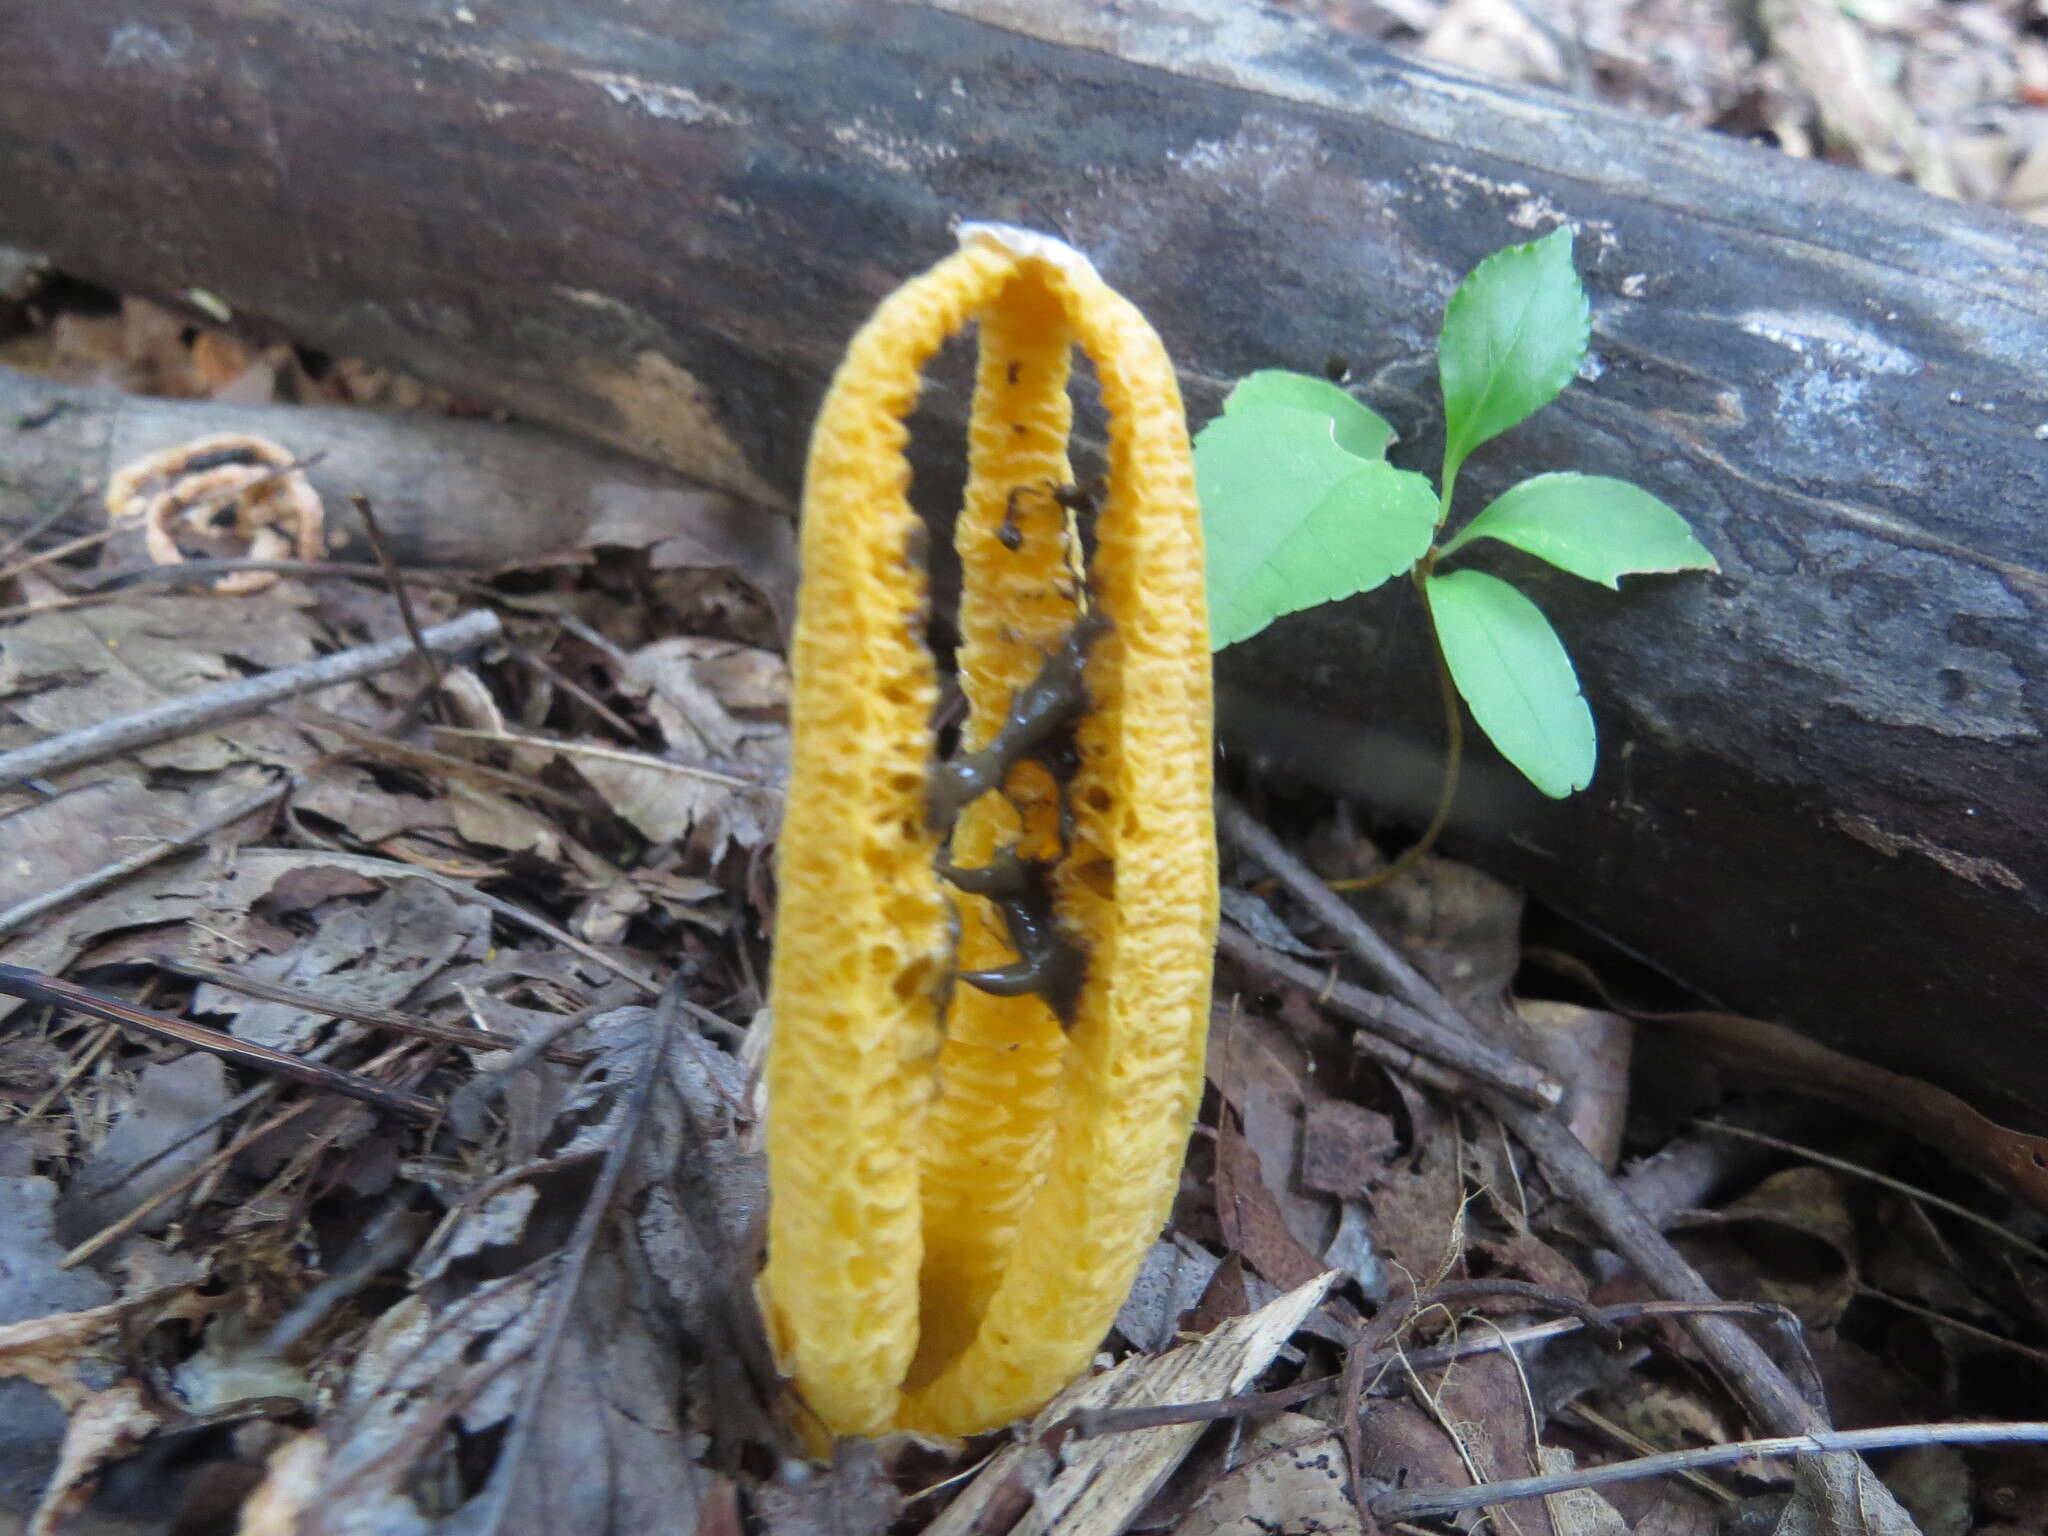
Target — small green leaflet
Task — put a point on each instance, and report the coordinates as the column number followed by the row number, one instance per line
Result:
column 1512, row 669
column 1514, row 334
column 1292, row 520
column 1358, row 428
column 1590, row 525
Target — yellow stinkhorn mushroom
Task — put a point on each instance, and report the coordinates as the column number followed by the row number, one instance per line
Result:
column 964, row 1177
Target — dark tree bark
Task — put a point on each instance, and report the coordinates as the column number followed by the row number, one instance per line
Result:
column 1821, row 789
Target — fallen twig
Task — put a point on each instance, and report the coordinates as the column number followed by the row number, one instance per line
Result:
column 22, row 913
column 1406, row 1026
column 1087, row 1422
column 56, row 552
column 1417, row 1503
column 395, row 580
column 608, row 754
column 233, row 701
column 357, row 1013
column 391, row 749
column 202, row 572
column 1897, row 1186
column 35, row 987
column 1751, row 1374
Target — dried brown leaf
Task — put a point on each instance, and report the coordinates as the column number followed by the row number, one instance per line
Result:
column 63, row 671
column 1462, row 927
column 1483, row 1405
column 1344, row 1146
column 1104, row 1482
column 1588, row 1050
column 1266, row 1074
column 1582, row 1511
column 104, row 1427
column 1288, row 1475
column 1252, row 1221
column 50, row 843
column 700, row 530
column 1405, row 1448
column 1791, row 1240
column 351, row 797
column 592, row 1438
column 1418, row 1214
column 172, row 1100
column 375, row 953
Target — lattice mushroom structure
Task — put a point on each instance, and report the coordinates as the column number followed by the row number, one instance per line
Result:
column 991, row 976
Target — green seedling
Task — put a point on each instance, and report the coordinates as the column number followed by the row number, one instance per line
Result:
column 1300, row 507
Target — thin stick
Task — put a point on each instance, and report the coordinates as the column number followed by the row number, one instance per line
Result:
column 1898, row 1186
column 1751, row 1374
column 208, row 707
column 15, row 981
column 1599, row 1424
column 22, row 913
column 1408, row 1504
column 358, row 1013
column 395, row 579
column 56, row 552
column 107, row 1035
column 391, row 749
column 609, row 754
column 183, row 1182
column 1403, row 1025
column 575, row 690
column 42, row 525
column 1956, row 1324
column 191, row 572
column 394, row 869
column 1386, row 962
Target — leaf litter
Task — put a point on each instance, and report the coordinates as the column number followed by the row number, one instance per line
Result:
column 537, row 897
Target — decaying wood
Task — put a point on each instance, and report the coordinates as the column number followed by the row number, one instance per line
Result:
column 448, row 492
column 1823, row 770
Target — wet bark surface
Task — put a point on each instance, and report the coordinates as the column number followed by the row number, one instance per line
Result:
column 1821, row 786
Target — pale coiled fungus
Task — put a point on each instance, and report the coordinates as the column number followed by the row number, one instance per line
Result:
column 964, row 1177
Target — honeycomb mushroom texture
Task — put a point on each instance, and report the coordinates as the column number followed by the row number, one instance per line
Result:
column 959, row 1204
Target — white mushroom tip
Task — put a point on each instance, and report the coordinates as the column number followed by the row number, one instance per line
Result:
column 1028, row 244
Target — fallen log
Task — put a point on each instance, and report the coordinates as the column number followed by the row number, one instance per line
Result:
column 1821, row 793
column 481, row 495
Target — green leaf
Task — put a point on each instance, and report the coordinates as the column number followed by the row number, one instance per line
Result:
column 1292, row 520
column 1590, row 525
column 1512, row 669
column 1514, row 335
column 1359, row 429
